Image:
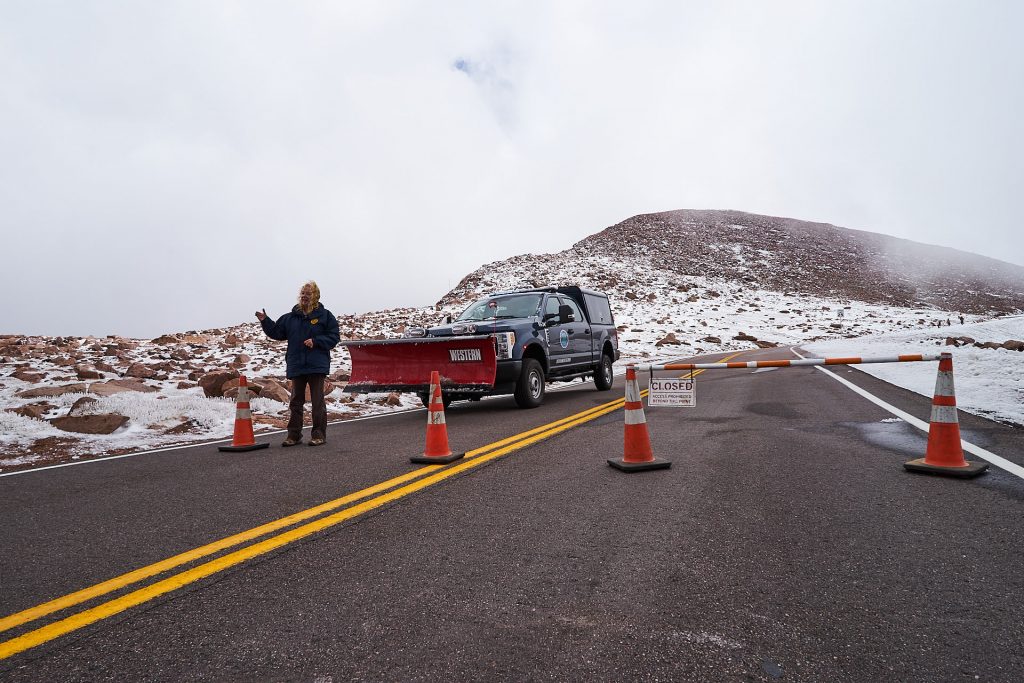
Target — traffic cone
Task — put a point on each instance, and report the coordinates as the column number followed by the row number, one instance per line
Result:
column 944, row 454
column 437, row 451
column 637, row 454
column 243, row 439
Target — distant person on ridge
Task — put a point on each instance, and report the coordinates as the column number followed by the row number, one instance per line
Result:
column 311, row 331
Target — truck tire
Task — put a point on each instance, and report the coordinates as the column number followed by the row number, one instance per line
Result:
column 530, row 385
column 603, row 375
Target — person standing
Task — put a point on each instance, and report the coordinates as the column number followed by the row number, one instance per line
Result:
column 311, row 332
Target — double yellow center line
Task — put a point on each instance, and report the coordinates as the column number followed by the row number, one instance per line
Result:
column 388, row 491
column 372, row 497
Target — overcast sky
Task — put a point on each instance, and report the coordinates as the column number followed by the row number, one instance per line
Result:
column 167, row 166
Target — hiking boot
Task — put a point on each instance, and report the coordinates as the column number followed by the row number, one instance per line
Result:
column 290, row 442
column 316, row 442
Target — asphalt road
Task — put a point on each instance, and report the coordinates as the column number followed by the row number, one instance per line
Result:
column 785, row 543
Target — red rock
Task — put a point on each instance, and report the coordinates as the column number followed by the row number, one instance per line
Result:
column 27, row 376
column 213, row 382
column 79, row 406
column 668, row 340
column 53, row 391
column 275, row 391
column 140, row 370
column 90, row 424
column 85, row 372
column 35, row 412
column 165, row 339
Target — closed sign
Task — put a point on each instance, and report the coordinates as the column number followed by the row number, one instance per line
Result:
column 672, row 391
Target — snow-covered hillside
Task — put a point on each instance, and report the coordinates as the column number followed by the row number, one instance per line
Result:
column 661, row 313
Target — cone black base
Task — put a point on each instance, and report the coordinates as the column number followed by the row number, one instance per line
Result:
column 973, row 469
column 238, row 449
column 435, row 459
column 656, row 464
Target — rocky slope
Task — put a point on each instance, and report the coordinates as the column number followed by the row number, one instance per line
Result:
column 786, row 255
column 681, row 283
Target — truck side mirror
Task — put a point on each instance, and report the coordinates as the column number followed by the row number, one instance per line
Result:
column 565, row 314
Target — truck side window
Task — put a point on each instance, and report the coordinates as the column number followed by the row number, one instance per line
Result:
column 552, row 305
column 600, row 312
column 577, row 315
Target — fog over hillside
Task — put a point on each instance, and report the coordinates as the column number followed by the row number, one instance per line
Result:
column 681, row 284
column 814, row 258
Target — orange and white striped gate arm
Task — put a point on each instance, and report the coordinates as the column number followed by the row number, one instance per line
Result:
column 855, row 360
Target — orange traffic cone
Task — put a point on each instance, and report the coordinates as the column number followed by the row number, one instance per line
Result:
column 637, row 455
column 243, row 439
column 944, row 454
column 437, row 450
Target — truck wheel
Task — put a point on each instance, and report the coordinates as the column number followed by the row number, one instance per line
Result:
column 530, row 386
column 603, row 375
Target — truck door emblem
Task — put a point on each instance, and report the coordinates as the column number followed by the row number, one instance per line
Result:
column 563, row 339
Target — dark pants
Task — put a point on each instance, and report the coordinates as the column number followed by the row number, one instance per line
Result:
column 316, row 396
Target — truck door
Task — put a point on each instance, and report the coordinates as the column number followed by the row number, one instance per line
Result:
column 581, row 339
column 557, row 335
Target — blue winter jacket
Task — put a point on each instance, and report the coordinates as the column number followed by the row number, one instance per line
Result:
column 321, row 326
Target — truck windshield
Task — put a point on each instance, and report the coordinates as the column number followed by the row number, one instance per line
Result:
column 496, row 307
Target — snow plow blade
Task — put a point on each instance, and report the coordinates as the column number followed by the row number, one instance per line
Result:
column 466, row 364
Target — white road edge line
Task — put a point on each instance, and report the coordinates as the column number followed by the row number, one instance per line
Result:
column 996, row 460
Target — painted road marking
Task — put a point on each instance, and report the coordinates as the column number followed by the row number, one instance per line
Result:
column 483, row 454
column 421, row 479
column 996, row 460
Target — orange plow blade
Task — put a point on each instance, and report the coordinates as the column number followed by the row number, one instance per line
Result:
column 466, row 364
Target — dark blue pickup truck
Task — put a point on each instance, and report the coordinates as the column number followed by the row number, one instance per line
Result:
column 548, row 334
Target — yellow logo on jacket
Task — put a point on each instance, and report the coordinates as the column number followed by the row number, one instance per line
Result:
column 314, row 321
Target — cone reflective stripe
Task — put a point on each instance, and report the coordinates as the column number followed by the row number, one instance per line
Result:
column 243, row 439
column 944, row 454
column 437, row 450
column 637, row 454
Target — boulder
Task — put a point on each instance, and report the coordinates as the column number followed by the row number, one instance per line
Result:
column 668, row 340
column 213, row 382
column 53, row 391
column 85, row 372
column 393, row 399
column 105, row 423
column 765, row 344
column 711, row 340
column 165, row 339
column 80, row 407
column 743, row 336
column 275, row 391
column 988, row 345
column 35, row 412
column 140, row 370
column 1013, row 345
column 27, row 376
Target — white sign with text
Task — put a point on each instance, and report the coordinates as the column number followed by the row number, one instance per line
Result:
column 672, row 391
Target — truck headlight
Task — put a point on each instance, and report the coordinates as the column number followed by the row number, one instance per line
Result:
column 504, row 342
column 464, row 328
column 415, row 332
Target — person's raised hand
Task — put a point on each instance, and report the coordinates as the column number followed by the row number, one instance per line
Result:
column 260, row 315
column 308, row 343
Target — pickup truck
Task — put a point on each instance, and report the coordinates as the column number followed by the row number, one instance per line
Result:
column 547, row 334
